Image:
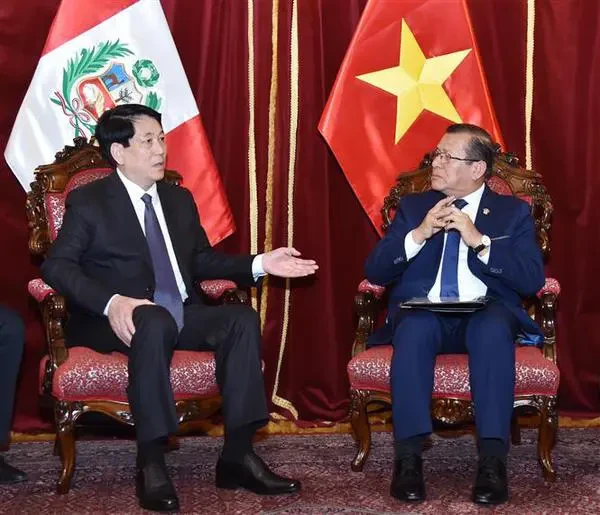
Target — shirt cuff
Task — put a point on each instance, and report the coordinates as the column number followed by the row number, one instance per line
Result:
column 257, row 267
column 486, row 257
column 108, row 304
column 411, row 248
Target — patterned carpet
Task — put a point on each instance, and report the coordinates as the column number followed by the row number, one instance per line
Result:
column 103, row 481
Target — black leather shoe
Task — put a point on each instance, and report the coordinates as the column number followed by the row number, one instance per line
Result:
column 407, row 481
column 155, row 490
column 253, row 474
column 10, row 475
column 491, row 485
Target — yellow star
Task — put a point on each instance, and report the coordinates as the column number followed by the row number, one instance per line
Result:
column 417, row 82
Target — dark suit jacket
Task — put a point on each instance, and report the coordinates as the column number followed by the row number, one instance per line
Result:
column 515, row 269
column 101, row 250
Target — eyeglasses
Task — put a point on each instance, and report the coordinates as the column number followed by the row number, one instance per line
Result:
column 445, row 157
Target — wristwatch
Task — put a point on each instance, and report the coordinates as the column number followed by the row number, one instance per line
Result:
column 485, row 243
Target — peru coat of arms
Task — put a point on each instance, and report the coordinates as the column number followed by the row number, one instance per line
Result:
column 102, row 77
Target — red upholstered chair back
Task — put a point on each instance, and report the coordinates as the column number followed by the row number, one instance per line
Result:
column 54, row 201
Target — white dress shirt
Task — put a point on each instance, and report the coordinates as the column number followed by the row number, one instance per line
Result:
column 469, row 286
column 135, row 194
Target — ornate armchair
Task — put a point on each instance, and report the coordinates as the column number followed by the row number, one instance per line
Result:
column 78, row 380
column 537, row 375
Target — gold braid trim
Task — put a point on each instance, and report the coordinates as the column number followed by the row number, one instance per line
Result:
column 268, row 244
column 253, row 191
column 294, row 107
column 529, row 82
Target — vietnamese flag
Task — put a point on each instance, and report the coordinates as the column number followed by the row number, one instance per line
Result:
column 106, row 52
column 412, row 69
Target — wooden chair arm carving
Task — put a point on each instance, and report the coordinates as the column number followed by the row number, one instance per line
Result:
column 546, row 311
column 366, row 307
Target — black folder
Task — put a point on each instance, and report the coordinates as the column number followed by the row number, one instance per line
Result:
column 447, row 306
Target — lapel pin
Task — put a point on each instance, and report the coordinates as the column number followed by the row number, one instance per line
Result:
column 486, row 211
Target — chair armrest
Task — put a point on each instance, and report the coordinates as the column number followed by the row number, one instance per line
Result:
column 54, row 314
column 223, row 290
column 39, row 290
column 374, row 289
column 366, row 305
column 550, row 286
column 548, row 299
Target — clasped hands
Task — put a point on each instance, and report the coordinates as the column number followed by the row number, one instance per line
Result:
column 446, row 216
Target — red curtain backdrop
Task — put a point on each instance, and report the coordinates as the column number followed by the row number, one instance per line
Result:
column 328, row 223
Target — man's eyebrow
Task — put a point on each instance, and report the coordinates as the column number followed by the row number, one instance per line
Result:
column 161, row 133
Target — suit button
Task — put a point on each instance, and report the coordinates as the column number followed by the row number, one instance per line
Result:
column 149, row 290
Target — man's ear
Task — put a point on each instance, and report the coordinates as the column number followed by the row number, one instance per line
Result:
column 478, row 170
column 116, row 151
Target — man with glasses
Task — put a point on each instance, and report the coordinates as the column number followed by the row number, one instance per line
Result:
column 458, row 241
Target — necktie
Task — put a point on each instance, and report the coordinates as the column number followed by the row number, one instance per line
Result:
column 166, row 293
column 449, row 279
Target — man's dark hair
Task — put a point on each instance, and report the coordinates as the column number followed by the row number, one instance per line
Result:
column 481, row 147
column 116, row 126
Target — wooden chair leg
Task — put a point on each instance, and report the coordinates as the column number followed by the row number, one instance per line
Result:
column 360, row 427
column 515, row 430
column 65, row 415
column 56, row 450
column 547, row 437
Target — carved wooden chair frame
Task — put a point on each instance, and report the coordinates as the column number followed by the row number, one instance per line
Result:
column 450, row 411
column 84, row 155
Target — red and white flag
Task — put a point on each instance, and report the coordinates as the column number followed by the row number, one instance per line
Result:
column 105, row 53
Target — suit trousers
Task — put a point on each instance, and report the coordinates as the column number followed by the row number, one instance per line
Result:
column 12, row 340
column 232, row 332
column 487, row 336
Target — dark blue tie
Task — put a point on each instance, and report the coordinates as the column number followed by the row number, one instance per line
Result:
column 166, row 292
column 449, row 279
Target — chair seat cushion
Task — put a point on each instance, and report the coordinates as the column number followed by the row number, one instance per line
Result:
column 89, row 375
column 535, row 375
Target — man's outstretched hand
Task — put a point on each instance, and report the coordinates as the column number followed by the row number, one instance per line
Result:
column 285, row 262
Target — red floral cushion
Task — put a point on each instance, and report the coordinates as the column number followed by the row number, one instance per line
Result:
column 501, row 187
column 550, row 286
column 367, row 287
column 215, row 288
column 39, row 290
column 89, row 375
column 536, row 375
column 55, row 202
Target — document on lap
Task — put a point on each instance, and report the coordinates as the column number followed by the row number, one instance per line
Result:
column 448, row 305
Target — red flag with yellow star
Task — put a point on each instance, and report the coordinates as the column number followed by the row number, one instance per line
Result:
column 412, row 69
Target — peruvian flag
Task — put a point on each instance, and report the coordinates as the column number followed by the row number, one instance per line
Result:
column 105, row 53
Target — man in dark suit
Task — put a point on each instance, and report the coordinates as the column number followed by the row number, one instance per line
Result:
column 129, row 251
column 460, row 240
column 12, row 340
